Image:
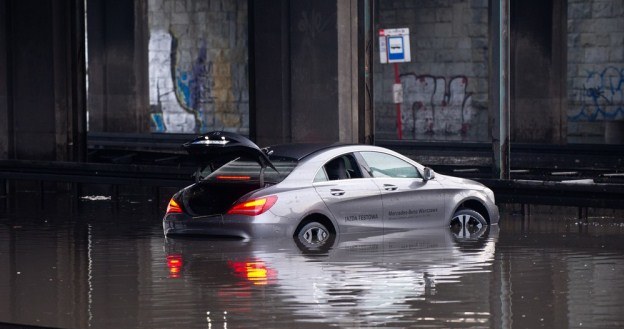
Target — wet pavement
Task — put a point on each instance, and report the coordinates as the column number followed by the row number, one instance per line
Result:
column 100, row 264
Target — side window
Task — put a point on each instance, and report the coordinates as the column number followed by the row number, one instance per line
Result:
column 385, row 165
column 342, row 167
column 321, row 176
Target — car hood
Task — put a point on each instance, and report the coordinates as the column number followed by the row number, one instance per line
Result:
column 450, row 181
column 222, row 146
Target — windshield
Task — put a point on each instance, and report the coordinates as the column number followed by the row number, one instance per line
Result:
column 249, row 170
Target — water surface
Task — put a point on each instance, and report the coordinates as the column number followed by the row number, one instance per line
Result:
column 107, row 267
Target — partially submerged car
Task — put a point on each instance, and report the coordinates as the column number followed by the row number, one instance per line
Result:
column 314, row 191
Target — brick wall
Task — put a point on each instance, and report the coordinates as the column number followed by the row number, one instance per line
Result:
column 445, row 86
column 198, row 65
column 595, row 67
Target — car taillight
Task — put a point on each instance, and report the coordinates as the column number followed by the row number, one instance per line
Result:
column 173, row 207
column 253, row 207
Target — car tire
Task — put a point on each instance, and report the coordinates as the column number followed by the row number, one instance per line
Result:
column 314, row 236
column 467, row 223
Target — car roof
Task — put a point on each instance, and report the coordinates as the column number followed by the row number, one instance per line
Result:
column 299, row 151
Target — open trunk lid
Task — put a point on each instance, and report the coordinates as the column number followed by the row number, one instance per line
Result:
column 219, row 147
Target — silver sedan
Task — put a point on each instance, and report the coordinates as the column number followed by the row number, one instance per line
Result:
column 313, row 192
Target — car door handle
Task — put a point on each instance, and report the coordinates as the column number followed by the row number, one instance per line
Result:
column 336, row 192
column 390, row 187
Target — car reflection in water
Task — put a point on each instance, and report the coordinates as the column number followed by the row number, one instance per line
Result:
column 369, row 279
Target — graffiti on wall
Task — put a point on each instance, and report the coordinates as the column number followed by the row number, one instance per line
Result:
column 434, row 106
column 601, row 96
column 188, row 96
column 168, row 112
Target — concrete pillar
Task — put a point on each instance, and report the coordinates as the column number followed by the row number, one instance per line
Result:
column 355, row 117
column 314, row 71
column 117, row 66
column 308, row 71
column 69, row 80
column 269, row 63
column 348, row 62
column 500, row 86
column 538, row 66
column 42, row 66
column 5, row 118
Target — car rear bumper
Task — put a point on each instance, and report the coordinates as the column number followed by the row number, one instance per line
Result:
column 239, row 226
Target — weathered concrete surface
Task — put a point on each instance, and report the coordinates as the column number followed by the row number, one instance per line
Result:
column 42, row 96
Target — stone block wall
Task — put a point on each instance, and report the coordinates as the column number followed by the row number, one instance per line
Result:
column 445, row 86
column 595, row 74
column 198, row 65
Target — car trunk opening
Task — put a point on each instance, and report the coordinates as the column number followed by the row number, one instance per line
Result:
column 230, row 166
column 215, row 197
column 217, row 193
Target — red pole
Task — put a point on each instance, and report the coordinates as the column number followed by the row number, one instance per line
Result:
column 399, row 122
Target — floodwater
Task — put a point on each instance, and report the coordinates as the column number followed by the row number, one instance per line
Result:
column 105, row 265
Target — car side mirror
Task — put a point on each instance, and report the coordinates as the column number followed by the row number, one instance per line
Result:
column 429, row 174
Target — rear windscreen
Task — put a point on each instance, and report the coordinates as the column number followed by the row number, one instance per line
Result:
column 247, row 170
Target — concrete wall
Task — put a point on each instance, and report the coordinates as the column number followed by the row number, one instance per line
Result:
column 185, row 66
column 314, row 70
column 537, row 57
column 595, row 69
column 445, row 86
column 567, row 71
column 271, row 67
column 302, row 93
column 198, row 66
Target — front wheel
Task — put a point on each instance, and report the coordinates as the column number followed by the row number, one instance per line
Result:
column 467, row 223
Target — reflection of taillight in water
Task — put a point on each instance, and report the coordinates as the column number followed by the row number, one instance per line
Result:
column 173, row 207
column 253, row 271
column 174, row 263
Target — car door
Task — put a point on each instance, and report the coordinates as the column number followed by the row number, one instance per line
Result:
column 353, row 200
column 408, row 200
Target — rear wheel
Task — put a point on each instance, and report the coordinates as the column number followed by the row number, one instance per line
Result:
column 315, row 238
column 313, row 234
column 467, row 223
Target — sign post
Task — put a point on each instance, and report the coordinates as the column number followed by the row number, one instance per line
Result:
column 394, row 48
